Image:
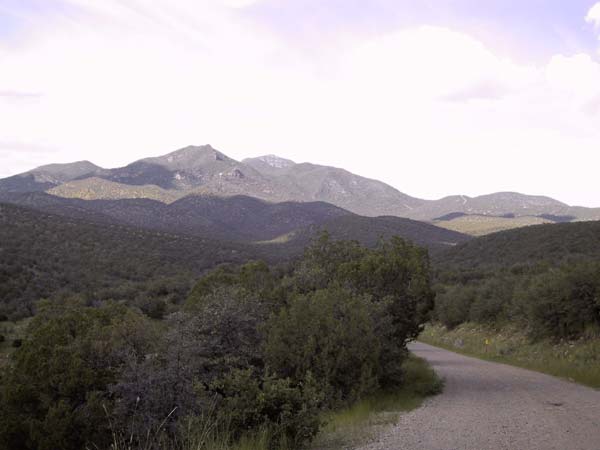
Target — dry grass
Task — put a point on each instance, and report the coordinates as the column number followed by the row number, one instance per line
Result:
column 477, row 225
column 573, row 360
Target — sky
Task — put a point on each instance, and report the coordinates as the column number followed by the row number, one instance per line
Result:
column 435, row 97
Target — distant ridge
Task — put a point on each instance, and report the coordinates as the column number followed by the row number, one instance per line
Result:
column 205, row 171
column 47, row 177
column 240, row 219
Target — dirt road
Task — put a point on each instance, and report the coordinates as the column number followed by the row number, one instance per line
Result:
column 488, row 406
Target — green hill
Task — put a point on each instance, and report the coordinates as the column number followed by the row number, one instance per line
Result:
column 44, row 255
column 552, row 243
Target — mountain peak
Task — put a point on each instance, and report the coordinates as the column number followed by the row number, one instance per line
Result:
column 60, row 173
column 66, row 167
column 276, row 161
column 197, row 152
column 269, row 164
column 190, row 157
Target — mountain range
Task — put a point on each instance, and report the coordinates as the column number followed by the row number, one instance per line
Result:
column 182, row 187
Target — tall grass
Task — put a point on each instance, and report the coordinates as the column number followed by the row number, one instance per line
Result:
column 202, row 432
column 573, row 360
column 363, row 420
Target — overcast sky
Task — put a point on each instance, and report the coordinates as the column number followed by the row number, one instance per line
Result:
column 435, row 97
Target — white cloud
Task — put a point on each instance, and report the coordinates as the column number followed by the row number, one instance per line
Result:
column 593, row 16
column 435, row 62
column 239, row 3
column 578, row 76
column 128, row 80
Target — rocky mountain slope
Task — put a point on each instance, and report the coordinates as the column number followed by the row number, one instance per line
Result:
column 310, row 182
column 48, row 177
column 206, row 172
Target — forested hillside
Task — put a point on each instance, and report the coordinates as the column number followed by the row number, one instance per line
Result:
column 85, row 249
column 44, row 255
column 544, row 279
column 237, row 218
column 552, row 243
column 369, row 230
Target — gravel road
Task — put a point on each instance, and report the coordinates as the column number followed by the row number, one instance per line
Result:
column 489, row 406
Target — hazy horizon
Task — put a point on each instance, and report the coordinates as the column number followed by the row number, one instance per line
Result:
column 437, row 98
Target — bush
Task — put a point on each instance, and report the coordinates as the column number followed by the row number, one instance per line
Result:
column 563, row 304
column 548, row 302
column 491, row 301
column 53, row 393
column 289, row 411
column 329, row 333
column 154, row 308
column 453, row 305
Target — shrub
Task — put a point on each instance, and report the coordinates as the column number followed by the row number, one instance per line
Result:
column 154, row 308
column 491, row 301
column 564, row 303
column 453, row 305
column 53, row 392
column 288, row 410
column 331, row 334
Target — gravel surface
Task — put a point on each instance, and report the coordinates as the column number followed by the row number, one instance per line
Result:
column 490, row 406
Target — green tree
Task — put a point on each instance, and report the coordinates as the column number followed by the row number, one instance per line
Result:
column 54, row 393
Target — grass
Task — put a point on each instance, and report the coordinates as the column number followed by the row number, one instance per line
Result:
column 197, row 433
column 260, row 441
column 360, row 422
column 479, row 225
column 577, row 361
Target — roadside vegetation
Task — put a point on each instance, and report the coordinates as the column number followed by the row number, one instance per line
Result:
column 577, row 360
column 363, row 420
column 256, row 357
column 529, row 297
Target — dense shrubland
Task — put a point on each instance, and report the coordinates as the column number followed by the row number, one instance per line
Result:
column 547, row 302
column 545, row 280
column 254, row 353
column 48, row 256
column 81, row 252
